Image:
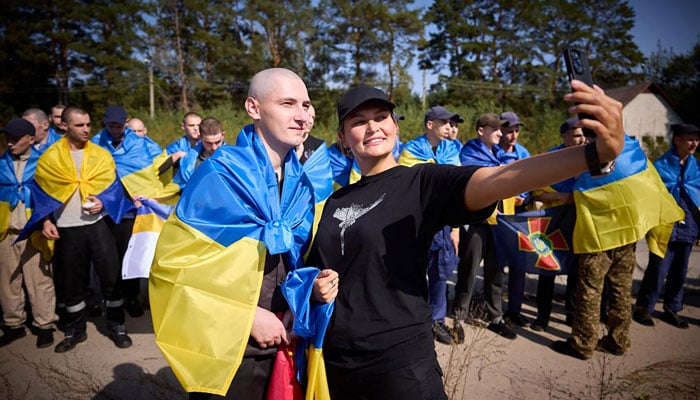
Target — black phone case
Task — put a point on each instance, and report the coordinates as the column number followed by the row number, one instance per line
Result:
column 577, row 68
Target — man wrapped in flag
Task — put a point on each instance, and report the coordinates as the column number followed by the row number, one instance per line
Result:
column 75, row 189
column 616, row 205
column 22, row 263
column 243, row 221
column 680, row 173
column 137, row 169
column 211, row 138
column 435, row 146
column 476, row 243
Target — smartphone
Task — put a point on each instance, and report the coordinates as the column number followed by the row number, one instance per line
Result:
column 577, row 68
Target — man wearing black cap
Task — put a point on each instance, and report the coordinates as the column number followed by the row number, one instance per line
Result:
column 680, row 172
column 436, row 146
column 22, row 263
column 476, row 243
column 513, row 151
column 128, row 149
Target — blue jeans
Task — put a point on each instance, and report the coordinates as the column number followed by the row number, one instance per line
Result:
column 672, row 269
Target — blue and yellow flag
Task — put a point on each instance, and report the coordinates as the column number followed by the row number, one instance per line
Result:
column 149, row 221
column 620, row 208
column 419, row 151
column 677, row 177
column 51, row 138
column 12, row 190
column 310, row 323
column 137, row 167
column 476, row 152
column 343, row 168
column 56, row 179
column 508, row 157
column 537, row 242
column 207, row 272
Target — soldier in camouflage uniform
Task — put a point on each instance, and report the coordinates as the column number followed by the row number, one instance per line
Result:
column 616, row 266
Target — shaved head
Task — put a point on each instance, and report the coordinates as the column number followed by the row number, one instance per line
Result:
column 267, row 80
column 137, row 126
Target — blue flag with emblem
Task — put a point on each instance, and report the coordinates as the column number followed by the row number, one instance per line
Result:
column 538, row 242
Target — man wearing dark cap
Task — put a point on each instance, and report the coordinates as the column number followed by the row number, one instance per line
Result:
column 131, row 153
column 513, row 151
column 680, row 172
column 551, row 196
column 435, row 146
column 476, row 243
column 22, row 264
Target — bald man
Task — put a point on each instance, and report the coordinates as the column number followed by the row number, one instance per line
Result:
column 44, row 136
column 137, row 126
column 232, row 220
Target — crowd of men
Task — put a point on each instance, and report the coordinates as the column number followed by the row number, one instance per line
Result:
column 68, row 202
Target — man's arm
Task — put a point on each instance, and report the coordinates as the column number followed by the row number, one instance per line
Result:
column 490, row 184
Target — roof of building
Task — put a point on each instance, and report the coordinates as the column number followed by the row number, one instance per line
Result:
column 626, row 94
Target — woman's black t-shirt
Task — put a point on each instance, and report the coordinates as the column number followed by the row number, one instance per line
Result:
column 376, row 234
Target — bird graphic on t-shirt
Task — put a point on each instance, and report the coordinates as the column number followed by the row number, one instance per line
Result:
column 348, row 216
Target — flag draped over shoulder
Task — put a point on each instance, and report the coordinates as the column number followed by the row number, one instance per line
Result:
column 519, row 153
column 135, row 165
column 207, row 272
column 187, row 166
column 343, row 168
column 317, row 170
column 56, row 179
column 675, row 177
column 537, row 242
column 12, row 190
column 149, row 221
column 620, row 208
column 419, row 151
column 310, row 323
column 475, row 152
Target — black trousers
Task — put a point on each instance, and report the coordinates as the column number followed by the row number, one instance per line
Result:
column 122, row 233
column 74, row 251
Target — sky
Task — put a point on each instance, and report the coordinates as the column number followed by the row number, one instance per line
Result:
column 675, row 24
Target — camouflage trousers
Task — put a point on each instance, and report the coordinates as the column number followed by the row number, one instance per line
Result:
column 614, row 266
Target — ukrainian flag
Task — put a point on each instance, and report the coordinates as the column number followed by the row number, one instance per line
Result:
column 419, row 151
column 475, row 152
column 149, row 221
column 56, row 179
column 310, row 323
column 209, row 262
column 677, row 177
column 12, row 191
column 620, row 208
column 343, row 168
column 137, row 167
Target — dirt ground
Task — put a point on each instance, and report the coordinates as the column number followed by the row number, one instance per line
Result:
column 663, row 362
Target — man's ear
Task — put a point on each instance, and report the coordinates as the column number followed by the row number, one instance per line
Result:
column 252, row 107
column 429, row 125
column 480, row 131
